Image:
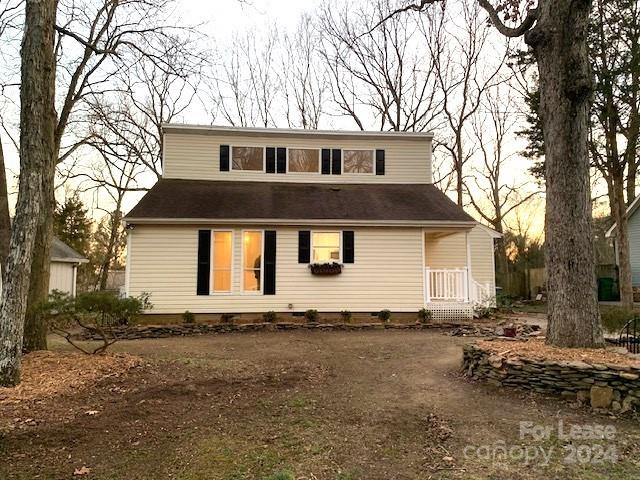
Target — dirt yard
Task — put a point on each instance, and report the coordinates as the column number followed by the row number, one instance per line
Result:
column 319, row 405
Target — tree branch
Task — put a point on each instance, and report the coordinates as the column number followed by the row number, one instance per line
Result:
column 525, row 26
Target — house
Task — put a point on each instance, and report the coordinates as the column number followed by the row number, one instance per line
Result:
column 633, row 228
column 248, row 220
column 64, row 267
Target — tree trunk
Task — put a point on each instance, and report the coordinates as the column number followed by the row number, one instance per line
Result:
column 114, row 224
column 37, row 145
column 559, row 42
column 5, row 221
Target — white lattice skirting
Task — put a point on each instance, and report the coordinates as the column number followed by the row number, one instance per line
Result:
column 450, row 312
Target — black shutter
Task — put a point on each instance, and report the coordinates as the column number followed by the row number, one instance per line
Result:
column 282, row 160
column 336, row 161
column 326, row 161
column 269, row 262
column 379, row 162
column 271, row 160
column 224, row 158
column 347, row 246
column 204, row 261
column 304, row 246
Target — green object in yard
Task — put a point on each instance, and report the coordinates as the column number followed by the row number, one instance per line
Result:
column 605, row 289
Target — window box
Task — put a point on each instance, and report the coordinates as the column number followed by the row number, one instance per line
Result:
column 325, row 268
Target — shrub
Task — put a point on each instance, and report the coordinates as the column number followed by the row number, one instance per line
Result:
column 270, row 317
column 346, row 316
column 94, row 312
column 226, row 318
column 188, row 317
column 425, row 315
column 384, row 315
column 614, row 318
column 311, row 315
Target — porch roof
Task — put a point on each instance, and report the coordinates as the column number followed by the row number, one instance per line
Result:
column 172, row 199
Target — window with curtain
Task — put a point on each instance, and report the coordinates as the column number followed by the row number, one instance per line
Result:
column 326, row 247
column 247, row 158
column 252, row 261
column 221, row 264
column 304, row 160
column 357, row 161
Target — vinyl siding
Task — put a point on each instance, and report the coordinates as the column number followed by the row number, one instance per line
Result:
column 451, row 252
column 387, row 273
column 197, row 156
column 61, row 277
column 634, row 246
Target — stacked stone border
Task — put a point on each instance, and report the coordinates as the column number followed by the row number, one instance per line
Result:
column 608, row 386
column 137, row 332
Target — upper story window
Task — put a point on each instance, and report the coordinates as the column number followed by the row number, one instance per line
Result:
column 325, row 247
column 357, row 161
column 247, row 158
column 304, row 160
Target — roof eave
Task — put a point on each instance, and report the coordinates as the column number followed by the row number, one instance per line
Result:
column 212, row 129
column 302, row 221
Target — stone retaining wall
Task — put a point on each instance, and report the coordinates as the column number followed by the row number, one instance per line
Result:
column 188, row 329
column 608, row 386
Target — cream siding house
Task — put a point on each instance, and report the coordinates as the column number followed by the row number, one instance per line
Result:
column 251, row 220
column 63, row 273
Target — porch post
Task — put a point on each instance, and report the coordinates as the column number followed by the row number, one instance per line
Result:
column 469, row 275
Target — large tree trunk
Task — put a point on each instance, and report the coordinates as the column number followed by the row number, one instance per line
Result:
column 35, row 329
column 5, row 221
column 37, row 145
column 559, row 42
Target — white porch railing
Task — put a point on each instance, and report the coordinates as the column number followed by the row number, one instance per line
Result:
column 452, row 285
column 446, row 285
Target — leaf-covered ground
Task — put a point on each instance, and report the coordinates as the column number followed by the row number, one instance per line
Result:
column 304, row 405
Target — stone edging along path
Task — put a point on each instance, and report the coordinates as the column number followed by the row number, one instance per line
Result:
column 136, row 332
column 609, row 386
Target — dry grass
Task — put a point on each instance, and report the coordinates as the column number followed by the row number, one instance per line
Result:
column 537, row 349
column 49, row 374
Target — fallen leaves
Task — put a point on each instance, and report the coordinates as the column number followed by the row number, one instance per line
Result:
column 82, row 471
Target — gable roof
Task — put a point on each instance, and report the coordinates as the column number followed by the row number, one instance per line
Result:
column 173, row 200
column 61, row 252
column 631, row 209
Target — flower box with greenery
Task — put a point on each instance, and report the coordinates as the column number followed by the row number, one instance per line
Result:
column 325, row 268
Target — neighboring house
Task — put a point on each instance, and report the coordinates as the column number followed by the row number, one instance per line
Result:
column 248, row 220
column 64, row 267
column 633, row 227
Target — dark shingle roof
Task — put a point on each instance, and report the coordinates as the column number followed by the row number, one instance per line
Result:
column 200, row 199
column 62, row 252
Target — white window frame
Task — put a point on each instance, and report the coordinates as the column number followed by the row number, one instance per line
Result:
column 212, row 262
column 339, row 232
column 373, row 158
column 264, row 159
column 242, row 289
column 319, row 150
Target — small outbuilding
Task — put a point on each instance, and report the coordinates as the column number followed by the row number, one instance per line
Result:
column 64, row 267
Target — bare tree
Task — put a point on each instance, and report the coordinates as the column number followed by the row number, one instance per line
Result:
column 384, row 73
column 494, row 197
column 246, row 85
column 304, row 85
column 37, row 146
column 95, row 42
column 464, row 76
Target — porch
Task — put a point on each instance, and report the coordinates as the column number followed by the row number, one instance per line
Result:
column 458, row 272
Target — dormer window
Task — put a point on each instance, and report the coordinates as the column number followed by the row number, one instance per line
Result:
column 357, row 161
column 247, row 158
column 304, row 160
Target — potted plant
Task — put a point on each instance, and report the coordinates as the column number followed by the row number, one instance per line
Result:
column 332, row 268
